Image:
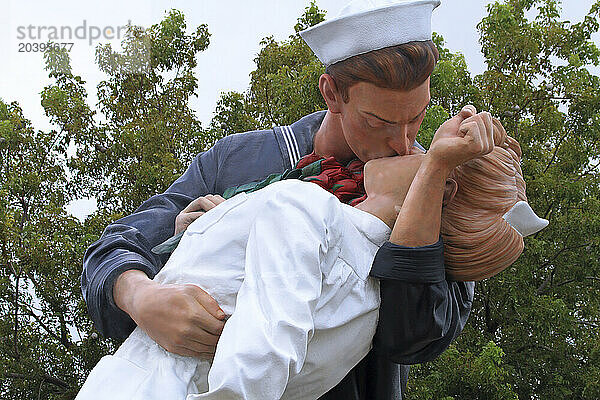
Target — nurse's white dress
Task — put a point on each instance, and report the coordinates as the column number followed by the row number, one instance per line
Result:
column 290, row 264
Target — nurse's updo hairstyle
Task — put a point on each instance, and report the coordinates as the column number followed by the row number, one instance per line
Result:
column 478, row 242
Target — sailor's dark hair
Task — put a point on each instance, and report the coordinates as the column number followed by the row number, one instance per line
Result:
column 403, row 67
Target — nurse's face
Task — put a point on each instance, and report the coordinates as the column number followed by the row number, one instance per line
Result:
column 392, row 176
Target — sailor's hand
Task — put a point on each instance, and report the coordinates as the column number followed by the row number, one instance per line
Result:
column 183, row 319
column 466, row 136
column 195, row 209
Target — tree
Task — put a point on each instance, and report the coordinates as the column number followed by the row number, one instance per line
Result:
column 42, row 315
column 146, row 134
column 134, row 144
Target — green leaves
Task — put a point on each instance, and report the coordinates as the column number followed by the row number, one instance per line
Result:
column 465, row 375
column 38, row 264
column 146, row 134
column 141, row 140
column 312, row 16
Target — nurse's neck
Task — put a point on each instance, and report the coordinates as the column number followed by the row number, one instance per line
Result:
column 387, row 181
column 382, row 207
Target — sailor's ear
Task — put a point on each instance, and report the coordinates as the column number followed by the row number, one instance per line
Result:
column 330, row 93
column 449, row 191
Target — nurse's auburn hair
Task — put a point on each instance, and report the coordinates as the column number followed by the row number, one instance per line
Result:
column 478, row 242
column 403, row 67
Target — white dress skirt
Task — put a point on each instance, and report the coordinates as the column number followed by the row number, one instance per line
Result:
column 290, row 265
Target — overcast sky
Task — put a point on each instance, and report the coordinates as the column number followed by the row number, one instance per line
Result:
column 236, row 28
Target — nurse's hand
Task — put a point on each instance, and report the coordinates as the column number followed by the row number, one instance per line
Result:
column 466, row 136
column 195, row 209
column 183, row 319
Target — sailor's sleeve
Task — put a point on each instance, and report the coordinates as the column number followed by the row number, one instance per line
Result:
column 126, row 244
column 421, row 310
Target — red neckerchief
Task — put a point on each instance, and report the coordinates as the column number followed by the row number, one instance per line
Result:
column 345, row 182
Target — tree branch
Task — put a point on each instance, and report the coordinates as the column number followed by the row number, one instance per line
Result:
column 47, row 378
column 560, row 252
column 43, row 325
column 16, row 324
column 546, row 282
column 593, row 278
column 268, row 103
column 560, row 142
column 534, row 346
column 588, row 324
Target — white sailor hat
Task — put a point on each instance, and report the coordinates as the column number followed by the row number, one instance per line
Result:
column 367, row 25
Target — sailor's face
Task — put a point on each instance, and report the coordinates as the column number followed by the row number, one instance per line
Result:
column 379, row 122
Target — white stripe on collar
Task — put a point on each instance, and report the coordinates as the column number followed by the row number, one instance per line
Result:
column 295, row 143
column 287, row 145
column 292, row 151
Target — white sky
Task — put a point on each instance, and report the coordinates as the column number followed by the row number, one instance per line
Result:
column 236, row 28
